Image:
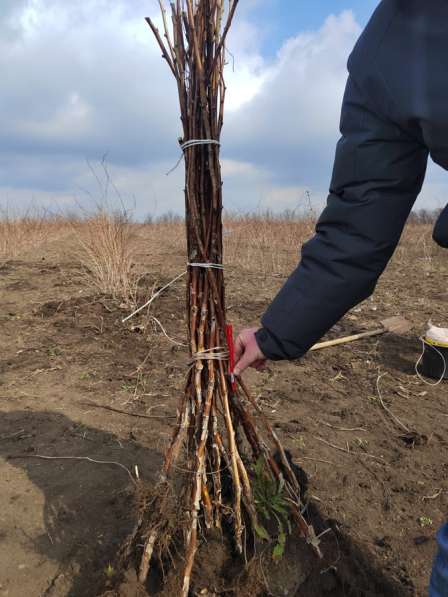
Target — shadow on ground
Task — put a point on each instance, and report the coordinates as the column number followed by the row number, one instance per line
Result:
column 88, row 506
column 399, row 353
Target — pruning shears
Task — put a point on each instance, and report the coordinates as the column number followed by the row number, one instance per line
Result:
column 231, row 347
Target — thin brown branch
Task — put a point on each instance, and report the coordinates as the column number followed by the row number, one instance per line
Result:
column 167, row 35
column 225, row 32
column 162, row 45
column 125, row 412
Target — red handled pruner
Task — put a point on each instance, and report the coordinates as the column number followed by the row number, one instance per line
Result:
column 231, row 346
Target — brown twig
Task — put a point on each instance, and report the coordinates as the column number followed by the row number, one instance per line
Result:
column 342, row 428
column 12, row 435
column 125, row 412
column 432, row 497
column 389, row 412
column 334, row 446
column 318, row 460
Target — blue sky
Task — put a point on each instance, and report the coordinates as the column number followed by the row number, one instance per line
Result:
column 280, row 19
column 81, row 80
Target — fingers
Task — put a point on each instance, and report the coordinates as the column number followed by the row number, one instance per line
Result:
column 239, row 347
column 245, row 361
column 259, row 365
column 247, row 352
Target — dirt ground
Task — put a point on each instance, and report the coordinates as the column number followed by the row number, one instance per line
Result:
column 370, row 434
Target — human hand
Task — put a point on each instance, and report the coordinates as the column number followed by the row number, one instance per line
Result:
column 247, row 352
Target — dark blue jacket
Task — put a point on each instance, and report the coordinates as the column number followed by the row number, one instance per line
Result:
column 394, row 114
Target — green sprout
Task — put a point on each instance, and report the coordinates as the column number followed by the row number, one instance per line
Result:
column 127, row 387
column 271, row 506
column 299, row 441
column 109, row 571
column 425, row 521
column 53, row 351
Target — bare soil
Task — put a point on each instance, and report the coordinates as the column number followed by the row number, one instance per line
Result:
column 371, row 436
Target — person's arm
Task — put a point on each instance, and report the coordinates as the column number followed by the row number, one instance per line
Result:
column 378, row 173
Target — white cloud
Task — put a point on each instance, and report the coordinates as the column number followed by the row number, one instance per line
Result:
column 81, row 80
column 292, row 123
column 246, row 68
column 235, row 168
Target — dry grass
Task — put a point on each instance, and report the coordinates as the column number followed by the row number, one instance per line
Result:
column 261, row 244
column 107, row 244
column 19, row 233
column 164, row 236
column 264, row 244
column 417, row 244
column 106, row 249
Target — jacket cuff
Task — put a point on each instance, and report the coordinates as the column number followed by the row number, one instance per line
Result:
column 270, row 346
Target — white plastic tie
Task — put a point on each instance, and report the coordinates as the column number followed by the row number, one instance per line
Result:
column 211, row 354
column 192, row 143
column 207, row 265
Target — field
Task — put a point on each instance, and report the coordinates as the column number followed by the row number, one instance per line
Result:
column 98, row 397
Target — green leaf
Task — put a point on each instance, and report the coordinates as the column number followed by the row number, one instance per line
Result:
column 258, row 468
column 278, row 551
column 280, row 508
column 261, row 532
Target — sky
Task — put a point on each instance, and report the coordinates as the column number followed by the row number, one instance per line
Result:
column 88, row 108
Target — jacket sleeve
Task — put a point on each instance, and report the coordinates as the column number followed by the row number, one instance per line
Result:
column 378, row 173
column 440, row 233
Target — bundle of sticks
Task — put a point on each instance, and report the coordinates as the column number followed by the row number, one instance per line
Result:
column 217, row 434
